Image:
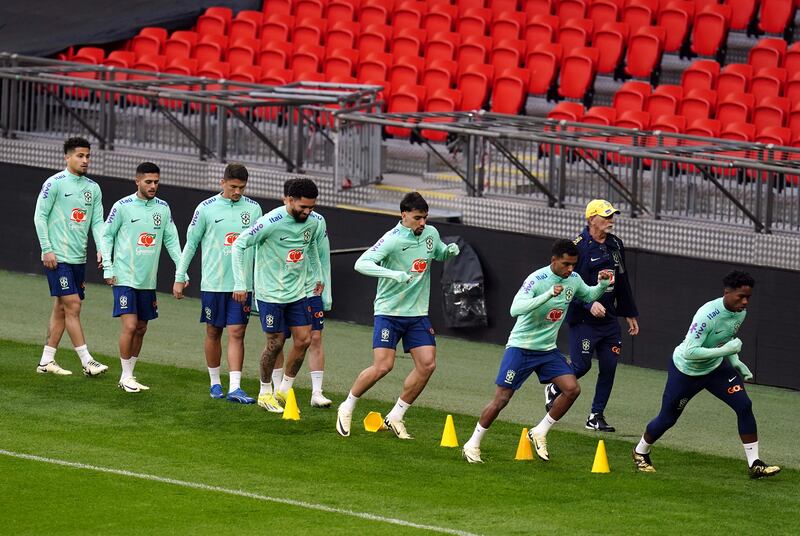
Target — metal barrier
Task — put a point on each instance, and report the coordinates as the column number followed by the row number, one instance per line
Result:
column 658, row 174
column 292, row 126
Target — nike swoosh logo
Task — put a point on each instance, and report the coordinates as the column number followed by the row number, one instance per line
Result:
column 729, row 381
column 284, row 237
column 597, row 259
column 217, row 221
column 405, row 248
column 67, row 195
column 134, row 221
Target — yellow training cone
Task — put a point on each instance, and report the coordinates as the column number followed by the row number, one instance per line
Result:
column 290, row 409
column 600, row 464
column 449, row 438
column 373, row 422
column 524, row 451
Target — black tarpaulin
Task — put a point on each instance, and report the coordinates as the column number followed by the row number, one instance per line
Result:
column 464, row 304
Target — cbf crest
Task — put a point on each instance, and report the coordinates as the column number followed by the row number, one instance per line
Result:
column 87, row 196
column 157, row 219
column 245, row 218
column 429, row 243
column 569, row 293
column 306, row 235
column 385, row 335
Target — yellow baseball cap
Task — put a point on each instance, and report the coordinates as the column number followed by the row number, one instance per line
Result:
column 600, row 207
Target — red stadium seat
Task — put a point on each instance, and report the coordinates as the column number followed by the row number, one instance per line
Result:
column 675, row 18
column 698, row 103
column 180, row 44
column 145, row 44
column 602, row 12
column 734, row 78
column 664, row 100
column 637, row 15
column 374, row 38
column 308, row 8
column 405, row 99
column 406, row 71
column 792, row 89
column 474, row 49
column 246, row 24
column 340, row 62
column 509, row 91
column 669, row 123
column 212, row 23
column 440, row 18
column 442, row 100
column 611, row 39
column 474, row 83
column 342, row 34
column 501, row 6
column 308, row 31
column 709, row 128
column 209, row 48
column 768, row 81
column 439, row 74
column 710, row 29
column 442, row 46
column 409, row 14
column 244, row 51
column 770, row 111
column 341, row 11
column 408, row 42
column 600, row 115
column 374, row 12
column 507, row 53
column 767, row 53
column 791, row 61
column 275, row 54
column 474, row 21
column 283, row 7
column 575, row 33
column 631, row 96
column 700, row 74
column 307, row 58
column 735, row 108
column 537, row 7
column 577, row 72
column 775, row 135
column 567, row 111
column 374, row 66
column 277, row 27
column 741, row 13
column 775, row 15
column 508, row 25
column 541, row 28
column 738, row 132
column 92, row 55
column 644, row 52
column 570, row 9
column 543, row 63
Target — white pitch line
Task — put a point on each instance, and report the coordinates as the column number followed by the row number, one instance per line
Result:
column 236, row 492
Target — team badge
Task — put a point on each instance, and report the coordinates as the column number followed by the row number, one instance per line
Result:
column 306, row 235
column 736, row 327
column 385, row 335
column 270, row 320
column 568, row 293
column 586, row 344
column 64, row 282
column 429, row 243
column 123, row 302
column 208, row 313
column 87, row 196
column 157, row 219
column 245, row 218
column 510, row 376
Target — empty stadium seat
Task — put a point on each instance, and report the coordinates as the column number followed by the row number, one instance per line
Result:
column 768, row 81
column 600, row 115
column 698, row 103
column 767, row 53
column 340, row 62
column 543, row 63
column 709, row 128
column 507, row 53
column 439, row 74
column 664, row 100
column 541, row 28
column 180, row 44
column 742, row 12
column 603, row 11
column 407, row 70
column 474, row 21
column 508, row 25
column 442, row 46
column 570, row 9
column 735, row 107
column 734, row 78
column 405, row 99
column 644, row 52
column 775, row 15
column 577, row 72
column 676, row 18
column 308, row 8
column 509, row 91
column 342, row 34
column 770, row 111
column 575, row 33
column 275, row 54
column 341, row 11
column 738, row 132
column 611, row 39
column 277, row 27
column 567, row 111
column 374, row 66
column 700, row 74
column 631, row 96
column 374, row 38
column 474, row 82
column 710, row 30
column 246, row 24
column 442, row 100
column 440, row 17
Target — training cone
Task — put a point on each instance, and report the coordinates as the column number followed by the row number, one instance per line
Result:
column 290, row 409
column 449, row 438
column 373, row 422
column 524, row 451
column 600, row 464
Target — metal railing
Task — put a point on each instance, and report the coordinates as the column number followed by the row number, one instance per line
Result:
column 657, row 174
column 292, row 126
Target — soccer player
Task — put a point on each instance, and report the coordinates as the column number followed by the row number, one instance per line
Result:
column 216, row 223
column 318, row 292
column 135, row 229
column 708, row 358
column 400, row 260
column 68, row 205
column 539, row 308
column 285, row 238
column 593, row 326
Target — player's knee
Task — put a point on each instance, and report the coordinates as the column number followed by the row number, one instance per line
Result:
column 301, row 342
column 744, row 407
column 141, row 329
column 427, row 367
column 382, row 369
column 216, row 334
column 571, row 391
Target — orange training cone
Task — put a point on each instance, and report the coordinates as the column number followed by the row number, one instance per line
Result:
column 600, row 464
column 524, row 451
column 449, row 438
column 290, row 411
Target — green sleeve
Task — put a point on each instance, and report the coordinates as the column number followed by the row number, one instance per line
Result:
column 324, row 252
column 589, row 294
column 527, row 300
column 369, row 261
column 194, row 234
column 171, row 239
column 109, row 234
column 44, row 204
column 255, row 235
column 97, row 219
column 694, row 345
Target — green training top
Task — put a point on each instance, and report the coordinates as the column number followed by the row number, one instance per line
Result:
column 283, row 247
column 65, row 209
column 540, row 314
column 321, row 271
column 215, row 225
column 401, row 254
column 712, row 326
column 135, row 230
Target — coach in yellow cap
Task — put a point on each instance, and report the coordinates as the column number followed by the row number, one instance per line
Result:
column 593, row 327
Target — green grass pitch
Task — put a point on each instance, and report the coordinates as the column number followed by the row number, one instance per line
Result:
column 227, row 462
